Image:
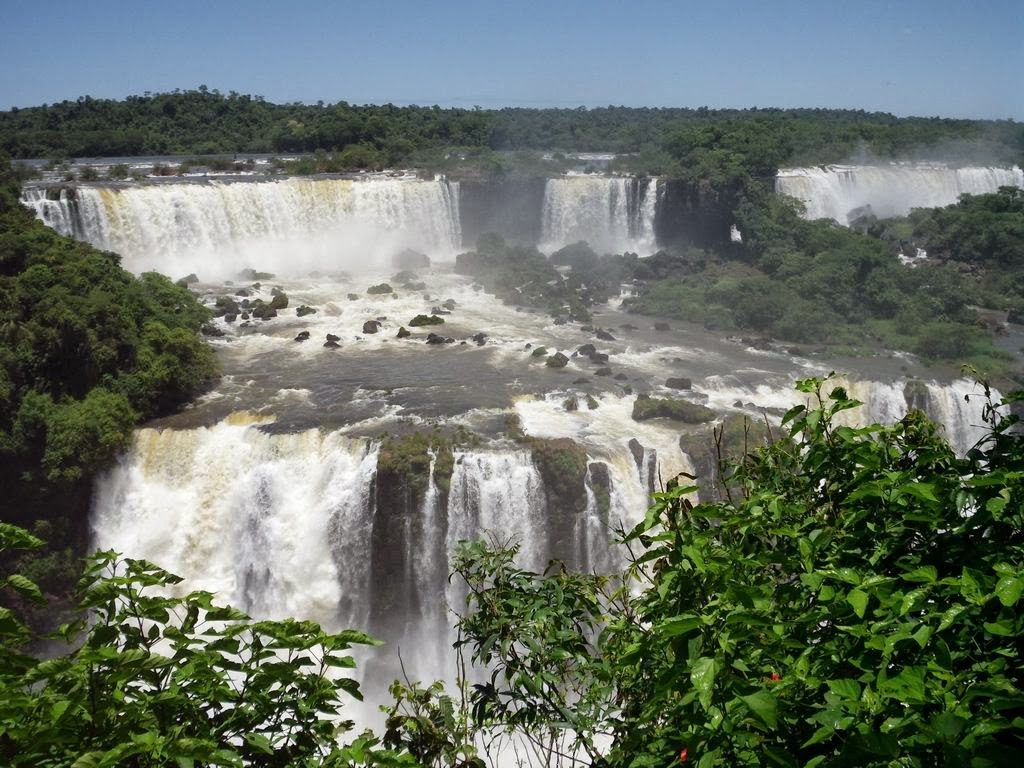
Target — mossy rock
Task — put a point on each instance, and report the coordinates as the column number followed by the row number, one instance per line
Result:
column 539, row 352
column 403, row 333
column 645, row 408
column 379, row 289
column 421, row 320
column 562, row 464
column 557, row 360
column 279, row 301
column 304, row 310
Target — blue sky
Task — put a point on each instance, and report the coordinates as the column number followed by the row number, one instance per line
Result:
column 917, row 57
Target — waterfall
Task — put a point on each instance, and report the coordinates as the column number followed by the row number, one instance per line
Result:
column 843, row 192
column 217, row 228
column 613, row 214
column 274, row 524
column 56, row 212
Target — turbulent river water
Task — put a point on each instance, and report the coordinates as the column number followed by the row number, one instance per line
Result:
column 266, row 490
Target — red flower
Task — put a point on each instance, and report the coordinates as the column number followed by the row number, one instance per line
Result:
column 682, row 755
column 774, row 677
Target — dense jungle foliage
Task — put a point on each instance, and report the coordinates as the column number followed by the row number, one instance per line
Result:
column 87, row 351
column 696, row 142
column 853, row 601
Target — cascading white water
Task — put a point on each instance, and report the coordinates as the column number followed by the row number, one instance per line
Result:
column 58, row 213
column 612, row 213
column 215, row 229
column 500, row 493
column 836, row 191
column 274, row 524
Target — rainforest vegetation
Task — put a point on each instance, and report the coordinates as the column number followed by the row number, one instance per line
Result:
column 702, row 142
column 853, row 601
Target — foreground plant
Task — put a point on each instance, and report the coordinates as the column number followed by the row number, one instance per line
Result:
column 161, row 680
column 857, row 603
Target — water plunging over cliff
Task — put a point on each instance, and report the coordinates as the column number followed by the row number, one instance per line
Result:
column 843, row 192
column 284, row 226
column 612, row 213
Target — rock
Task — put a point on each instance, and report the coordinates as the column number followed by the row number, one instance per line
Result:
column 188, row 280
column 251, row 274
column 678, row 410
column 280, row 300
column 560, row 320
column 587, row 328
column 433, row 338
column 354, row 297
column 209, row 329
column 264, row 312
column 245, row 315
column 438, row 311
column 603, row 372
column 557, row 360
column 371, row 326
column 223, row 305
column 426, row 297
column 448, row 304
column 662, row 327
column 332, row 337
column 275, row 291
column 583, row 380
column 409, row 259
column 405, row 276
column 245, row 304
column 304, row 310
column 586, row 350
column 638, row 452
column 402, row 333
column 257, row 286
column 603, row 335
column 539, row 352
column 571, row 403
column 528, row 345
column 230, row 317
column 480, row 339
column 621, row 377
column 628, row 327
column 591, row 402
column 331, row 344
column 737, row 404
column 379, row 289
column 598, row 357
column 303, row 336
column 421, row 320
column 678, row 382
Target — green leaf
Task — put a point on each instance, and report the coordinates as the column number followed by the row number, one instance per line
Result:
column 88, row 760
column 925, row 574
column 765, row 706
column 702, row 675
column 25, row 587
column 848, row 689
column 1009, row 590
column 259, row 742
column 678, row 625
column 859, row 601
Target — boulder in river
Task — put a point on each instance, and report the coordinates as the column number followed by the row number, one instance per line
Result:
column 303, row 336
column 557, row 360
column 403, row 333
column 408, row 259
column 678, row 382
column 331, row 344
column 371, row 326
column 603, row 335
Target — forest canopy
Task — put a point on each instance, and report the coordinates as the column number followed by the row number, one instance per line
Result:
column 665, row 140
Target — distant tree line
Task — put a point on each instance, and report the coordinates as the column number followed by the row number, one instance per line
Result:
column 664, row 140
